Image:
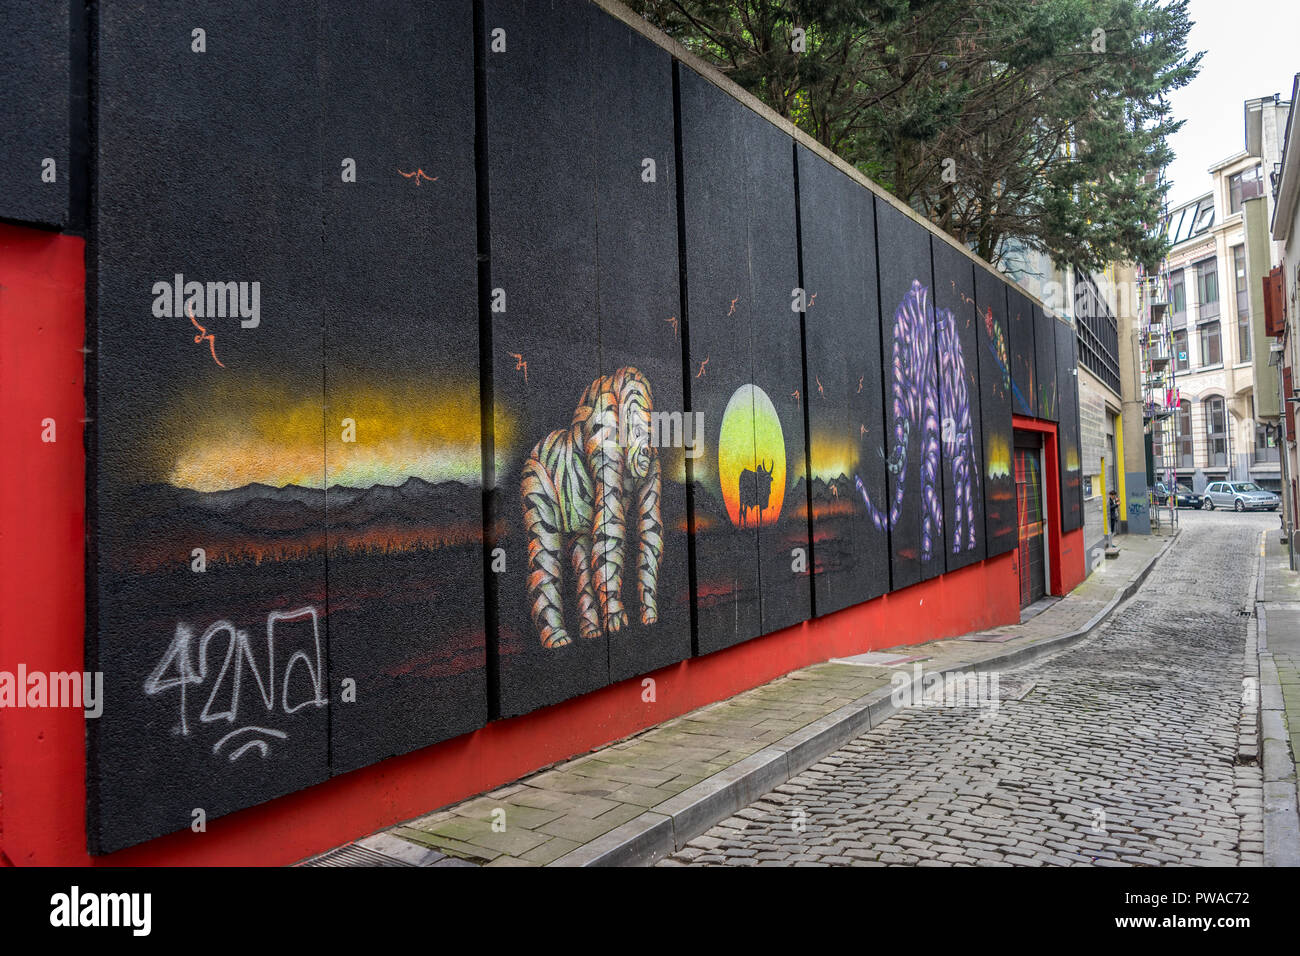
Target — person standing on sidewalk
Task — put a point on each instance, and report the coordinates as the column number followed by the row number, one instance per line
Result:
column 1112, row 504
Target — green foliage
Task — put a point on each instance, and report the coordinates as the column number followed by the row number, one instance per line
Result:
column 1058, row 143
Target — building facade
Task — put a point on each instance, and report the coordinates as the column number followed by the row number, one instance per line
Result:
column 1266, row 124
column 1220, row 434
column 1281, row 295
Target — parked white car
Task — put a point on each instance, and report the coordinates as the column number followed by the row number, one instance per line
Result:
column 1240, row 496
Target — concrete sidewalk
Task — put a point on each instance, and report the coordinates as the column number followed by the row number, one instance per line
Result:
column 637, row 800
column 1278, row 614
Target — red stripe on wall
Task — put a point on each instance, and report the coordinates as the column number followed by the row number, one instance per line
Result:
column 42, row 535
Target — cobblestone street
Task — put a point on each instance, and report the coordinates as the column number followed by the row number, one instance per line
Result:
column 1128, row 749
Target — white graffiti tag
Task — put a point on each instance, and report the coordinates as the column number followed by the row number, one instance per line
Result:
column 176, row 671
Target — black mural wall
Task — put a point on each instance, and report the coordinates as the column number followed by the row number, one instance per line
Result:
column 911, row 446
column 639, row 295
column 38, row 43
column 845, row 413
column 957, row 343
column 996, row 389
column 1045, row 325
column 745, row 367
column 588, row 510
column 405, row 592
column 545, row 342
column 448, row 367
column 209, row 506
column 1024, row 354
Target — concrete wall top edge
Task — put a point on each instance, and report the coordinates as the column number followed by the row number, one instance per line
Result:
column 691, row 61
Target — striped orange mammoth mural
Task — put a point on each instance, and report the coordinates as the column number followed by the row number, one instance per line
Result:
column 577, row 487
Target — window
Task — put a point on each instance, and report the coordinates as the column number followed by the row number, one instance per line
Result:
column 1216, row 432
column 1239, row 269
column 1097, row 331
column 1252, row 183
column 1204, row 217
column 1176, row 225
column 1185, row 434
column 1248, row 184
column 1211, row 353
column 1265, row 446
column 1243, row 304
column 1182, row 362
column 1178, row 295
column 1189, row 221
column 1207, row 289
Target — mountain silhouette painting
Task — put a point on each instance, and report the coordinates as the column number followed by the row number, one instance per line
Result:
column 257, row 522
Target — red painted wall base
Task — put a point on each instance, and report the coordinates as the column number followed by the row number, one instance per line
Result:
column 1072, row 560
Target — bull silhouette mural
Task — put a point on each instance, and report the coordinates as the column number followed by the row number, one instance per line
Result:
column 755, row 490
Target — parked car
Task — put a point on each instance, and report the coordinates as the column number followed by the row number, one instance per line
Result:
column 1186, row 498
column 1240, row 496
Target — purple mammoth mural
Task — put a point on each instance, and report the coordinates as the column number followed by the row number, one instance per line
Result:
column 577, row 485
column 916, row 393
column 958, row 435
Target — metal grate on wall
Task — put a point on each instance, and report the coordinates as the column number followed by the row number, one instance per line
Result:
column 1098, row 331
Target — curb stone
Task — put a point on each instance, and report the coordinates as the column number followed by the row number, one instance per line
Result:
column 667, row 827
column 1281, row 806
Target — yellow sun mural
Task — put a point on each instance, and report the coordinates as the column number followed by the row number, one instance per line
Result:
column 751, row 439
column 999, row 462
column 832, row 455
column 251, row 431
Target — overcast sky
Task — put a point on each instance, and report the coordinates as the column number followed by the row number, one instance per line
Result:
column 1252, row 51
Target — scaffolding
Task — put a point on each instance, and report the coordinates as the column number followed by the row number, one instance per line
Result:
column 1160, row 401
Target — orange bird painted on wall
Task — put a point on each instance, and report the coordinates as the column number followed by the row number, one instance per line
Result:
column 204, row 334
column 418, row 175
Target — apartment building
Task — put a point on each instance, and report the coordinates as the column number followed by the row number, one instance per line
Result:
column 1219, row 433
